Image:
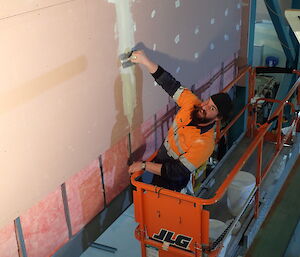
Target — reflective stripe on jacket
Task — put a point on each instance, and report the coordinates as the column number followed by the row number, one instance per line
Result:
column 186, row 147
column 186, row 143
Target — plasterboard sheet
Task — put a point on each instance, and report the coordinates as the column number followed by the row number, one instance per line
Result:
column 64, row 99
column 188, row 38
column 57, row 107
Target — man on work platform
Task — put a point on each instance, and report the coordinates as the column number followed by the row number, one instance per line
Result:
column 190, row 140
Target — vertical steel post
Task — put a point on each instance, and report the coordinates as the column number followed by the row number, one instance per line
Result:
column 251, row 86
column 288, row 43
column 252, row 18
column 279, row 127
column 258, row 176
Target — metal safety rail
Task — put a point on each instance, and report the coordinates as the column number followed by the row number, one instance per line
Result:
column 175, row 224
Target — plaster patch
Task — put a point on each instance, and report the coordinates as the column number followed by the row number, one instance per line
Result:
column 226, row 12
column 196, row 55
column 238, row 6
column 154, row 47
column 177, row 39
column 129, row 92
column 178, row 69
column 196, row 31
column 212, row 46
column 226, row 37
column 125, row 31
column 212, row 21
column 237, row 27
column 153, row 14
column 177, row 3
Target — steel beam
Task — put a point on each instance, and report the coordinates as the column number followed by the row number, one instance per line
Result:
column 295, row 4
column 252, row 18
column 283, row 32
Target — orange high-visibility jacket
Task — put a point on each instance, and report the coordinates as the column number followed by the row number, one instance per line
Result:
column 187, row 143
column 187, row 146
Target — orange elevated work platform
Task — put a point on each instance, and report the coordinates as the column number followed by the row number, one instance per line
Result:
column 172, row 224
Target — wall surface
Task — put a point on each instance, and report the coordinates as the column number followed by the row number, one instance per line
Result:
column 67, row 106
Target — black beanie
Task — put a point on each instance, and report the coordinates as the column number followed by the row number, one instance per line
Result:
column 223, row 103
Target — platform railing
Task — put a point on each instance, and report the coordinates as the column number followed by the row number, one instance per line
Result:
column 257, row 141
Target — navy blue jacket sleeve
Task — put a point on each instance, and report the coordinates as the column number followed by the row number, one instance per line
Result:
column 166, row 81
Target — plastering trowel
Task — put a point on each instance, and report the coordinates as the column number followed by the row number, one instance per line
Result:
column 125, row 59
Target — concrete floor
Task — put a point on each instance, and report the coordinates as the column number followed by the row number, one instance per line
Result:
column 119, row 235
column 279, row 235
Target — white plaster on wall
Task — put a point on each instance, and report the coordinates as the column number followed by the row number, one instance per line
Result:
column 125, row 31
column 238, row 6
column 177, row 3
column 226, row 12
column 212, row 21
column 226, row 37
column 237, row 27
column 177, row 39
column 196, row 55
column 153, row 14
column 197, row 30
column 178, row 69
column 212, row 46
column 116, row 31
column 154, row 47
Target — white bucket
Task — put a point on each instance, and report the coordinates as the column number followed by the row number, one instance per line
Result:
column 239, row 190
column 216, row 228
